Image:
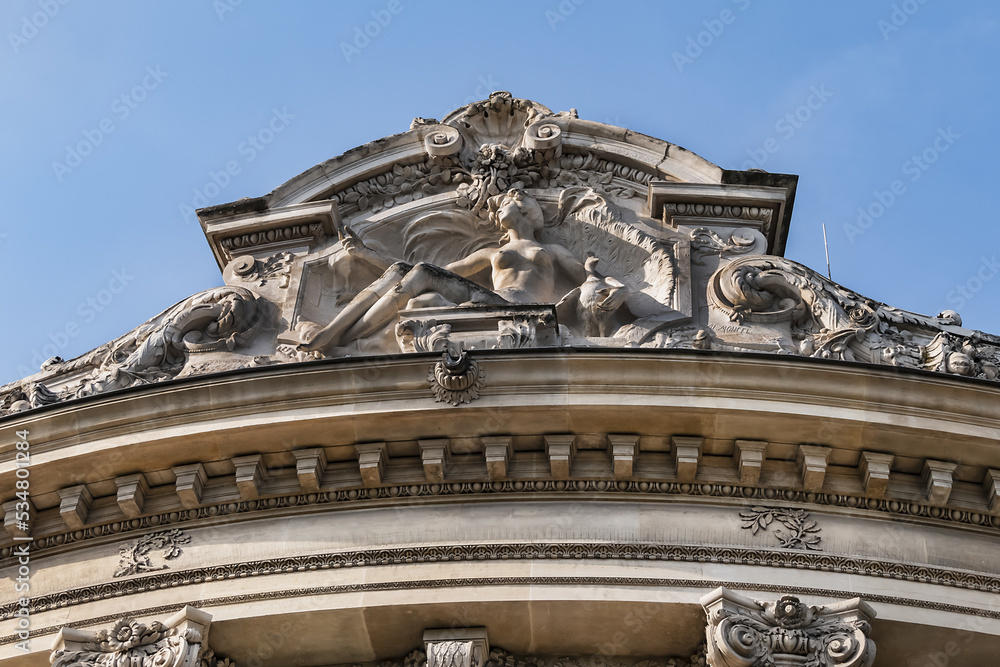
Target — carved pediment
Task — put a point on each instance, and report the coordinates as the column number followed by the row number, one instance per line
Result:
column 506, row 225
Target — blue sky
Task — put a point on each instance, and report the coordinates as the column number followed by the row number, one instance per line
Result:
column 118, row 113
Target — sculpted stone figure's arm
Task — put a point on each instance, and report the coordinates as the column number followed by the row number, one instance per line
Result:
column 357, row 249
column 474, row 263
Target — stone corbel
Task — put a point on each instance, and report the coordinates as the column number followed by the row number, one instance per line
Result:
column 249, row 475
column 132, row 490
column 937, row 480
column 745, row 633
column 875, row 470
column 371, row 461
column 434, row 454
column 499, row 451
column 687, row 453
column 812, row 466
column 560, row 450
column 991, row 483
column 750, row 455
column 74, row 505
column 13, row 519
column 310, row 466
column 624, row 450
column 180, row 641
column 459, row 647
column 191, row 481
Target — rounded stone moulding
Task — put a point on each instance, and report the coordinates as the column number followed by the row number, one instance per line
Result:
column 584, row 504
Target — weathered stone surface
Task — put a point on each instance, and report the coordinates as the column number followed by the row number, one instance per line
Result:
column 561, row 384
column 508, row 226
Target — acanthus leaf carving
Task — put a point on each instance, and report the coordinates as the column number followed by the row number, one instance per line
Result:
column 415, row 335
column 276, row 268
column 821, row 319
column 217, row 320
column 178, row 642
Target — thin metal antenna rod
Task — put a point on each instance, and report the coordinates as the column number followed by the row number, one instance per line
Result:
column 826, row 246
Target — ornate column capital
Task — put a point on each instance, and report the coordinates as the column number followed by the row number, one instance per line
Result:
column 745, row 633
column 180, row 641
column 459, row 647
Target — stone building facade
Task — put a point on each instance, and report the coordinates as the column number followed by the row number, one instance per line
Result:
column 510, row 388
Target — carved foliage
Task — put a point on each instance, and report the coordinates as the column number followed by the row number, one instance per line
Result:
column 415, row 335
column 745, row 633
column 799, row 531
column 828, row 321
column 488, row 148
column 276, row 268
column 135, row 555
column 704, row 241
column 178, row 642
column 217, row 320
column 516, row 333
column 131, row 644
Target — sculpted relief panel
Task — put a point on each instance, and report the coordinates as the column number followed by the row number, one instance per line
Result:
column 503, row 226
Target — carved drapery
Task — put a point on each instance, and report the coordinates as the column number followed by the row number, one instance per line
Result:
column 744, row 633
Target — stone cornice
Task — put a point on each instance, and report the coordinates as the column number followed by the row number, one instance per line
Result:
column 79, row 443
column 410, row 494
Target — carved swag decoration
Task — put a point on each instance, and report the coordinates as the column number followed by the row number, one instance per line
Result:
column 744, row 633
column 487, row 148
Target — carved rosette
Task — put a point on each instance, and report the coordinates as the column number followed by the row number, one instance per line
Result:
column 457, row 378
column 276, row 268
column 178, row 642
column 744, row 633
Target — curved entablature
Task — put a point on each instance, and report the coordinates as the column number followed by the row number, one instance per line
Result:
column 341, row 494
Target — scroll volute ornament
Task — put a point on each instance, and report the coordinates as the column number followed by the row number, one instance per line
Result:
column 442, row 141
column 745, row 633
